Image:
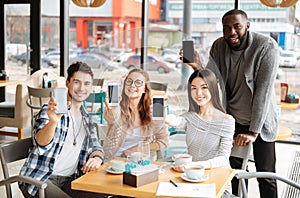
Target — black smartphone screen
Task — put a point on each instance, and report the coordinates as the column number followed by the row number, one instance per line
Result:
column 188, row 51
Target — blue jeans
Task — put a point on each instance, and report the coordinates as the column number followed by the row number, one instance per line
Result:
column 60, row 186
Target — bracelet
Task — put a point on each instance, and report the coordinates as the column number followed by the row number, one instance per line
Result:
column 102, row 159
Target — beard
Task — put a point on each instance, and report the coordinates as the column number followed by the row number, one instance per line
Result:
column 242, row 43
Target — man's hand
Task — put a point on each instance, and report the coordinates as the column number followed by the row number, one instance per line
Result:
column 197, row 64
column 51, row 111
column 91, row 164
column 244, row 139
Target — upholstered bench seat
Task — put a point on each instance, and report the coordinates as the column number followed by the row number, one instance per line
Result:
column 7, row 109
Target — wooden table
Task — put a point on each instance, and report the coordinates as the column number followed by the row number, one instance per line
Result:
column 289, row 106
column 102, row 182
column 4, row 83
column 283, row 133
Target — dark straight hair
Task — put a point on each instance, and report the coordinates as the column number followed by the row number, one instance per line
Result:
column 209, row 77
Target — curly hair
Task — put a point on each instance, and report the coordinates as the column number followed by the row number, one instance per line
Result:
column 144, row 104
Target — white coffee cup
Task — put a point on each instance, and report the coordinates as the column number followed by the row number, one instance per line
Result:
column 194, row 171
column 134, row 157
column 117, row 165
column 180, row 159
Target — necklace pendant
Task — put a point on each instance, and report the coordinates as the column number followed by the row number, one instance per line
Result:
column 74, row 143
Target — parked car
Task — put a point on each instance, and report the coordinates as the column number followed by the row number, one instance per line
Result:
column 95, row 61
column 296, row 51
column 13, row 49
column 20, row 59
column 171, row 56
column 287, row 59
column 51, row 60
column 153, row 64
column 122, row 58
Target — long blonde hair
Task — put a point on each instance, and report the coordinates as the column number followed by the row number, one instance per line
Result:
column 144, row 104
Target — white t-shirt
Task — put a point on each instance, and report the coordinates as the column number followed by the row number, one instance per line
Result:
column 68, row 159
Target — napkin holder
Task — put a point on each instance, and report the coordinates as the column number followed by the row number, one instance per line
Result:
column 137, row 180
column 291, row 98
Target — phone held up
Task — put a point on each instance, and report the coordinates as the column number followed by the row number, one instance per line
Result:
column 158, row 107
column 188, row 51
column 113, row 94
column 60, row 95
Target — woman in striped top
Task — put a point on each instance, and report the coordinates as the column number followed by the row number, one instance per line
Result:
column 209, row 130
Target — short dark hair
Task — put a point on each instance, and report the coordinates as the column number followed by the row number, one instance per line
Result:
column 235, row 11
column 79, row 66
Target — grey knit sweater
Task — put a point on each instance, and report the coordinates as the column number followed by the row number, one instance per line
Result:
column 260, row 67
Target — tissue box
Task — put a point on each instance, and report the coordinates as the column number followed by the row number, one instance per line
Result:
column 291, row 99
column 140, row 179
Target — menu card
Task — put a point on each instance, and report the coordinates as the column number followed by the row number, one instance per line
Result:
column 186, row 190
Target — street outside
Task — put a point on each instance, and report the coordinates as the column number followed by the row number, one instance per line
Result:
column 177, row 99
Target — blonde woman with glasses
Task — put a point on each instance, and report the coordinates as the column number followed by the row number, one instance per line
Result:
column 131, row 121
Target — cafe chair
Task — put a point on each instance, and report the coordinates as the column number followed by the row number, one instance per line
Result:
column 95, row 106
column 158, row 86
column 12, row 152
column 243, row 175
column 98, row 82
column 15, row 114
column 36, row 79
column 244, row 152
column 159, row 89
column 36, row 98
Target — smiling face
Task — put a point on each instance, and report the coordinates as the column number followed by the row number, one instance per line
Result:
column 200, row 92
column 135, row 85
column 79, row 86
column 235, row 30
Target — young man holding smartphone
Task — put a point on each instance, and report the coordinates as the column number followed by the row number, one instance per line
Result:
column 65, row 145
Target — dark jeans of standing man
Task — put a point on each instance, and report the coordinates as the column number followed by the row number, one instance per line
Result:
column 265, row 161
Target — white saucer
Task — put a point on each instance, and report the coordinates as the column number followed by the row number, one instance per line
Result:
column 184, row 177
column 110, row 170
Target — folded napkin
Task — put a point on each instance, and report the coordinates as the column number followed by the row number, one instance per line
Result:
column 186, row 190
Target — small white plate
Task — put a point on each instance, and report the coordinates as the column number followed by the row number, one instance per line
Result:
column 111, row 171
column 184, row 177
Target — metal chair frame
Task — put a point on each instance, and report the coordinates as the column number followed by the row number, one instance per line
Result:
column 242, row 175
column 244, row 152
column 14, row 151
column 37, row 94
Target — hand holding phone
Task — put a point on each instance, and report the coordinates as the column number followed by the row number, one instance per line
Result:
column 158, row 107
column 60, row 95
column 113, row 94
column 188, row 51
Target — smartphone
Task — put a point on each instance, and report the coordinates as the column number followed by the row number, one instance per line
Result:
column 60, row 95
column 158, row 107
column 188, row 51
column 113, row 94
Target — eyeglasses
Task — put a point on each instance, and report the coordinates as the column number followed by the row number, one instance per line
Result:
column 137, row 83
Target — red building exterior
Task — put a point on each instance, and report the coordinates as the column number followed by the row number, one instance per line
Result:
column 122, row 29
